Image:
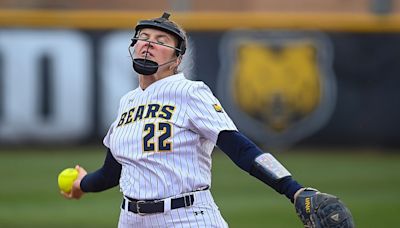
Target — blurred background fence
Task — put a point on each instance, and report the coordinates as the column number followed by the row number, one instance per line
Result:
column 288, row 72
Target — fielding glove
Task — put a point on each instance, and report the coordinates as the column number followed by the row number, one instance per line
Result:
column 321, row 210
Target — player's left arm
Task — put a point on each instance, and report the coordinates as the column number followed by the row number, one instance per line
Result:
column 245, row 154
column 315, row 209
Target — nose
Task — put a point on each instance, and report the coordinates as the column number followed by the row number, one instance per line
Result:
column 148, row 44
column 143, row 45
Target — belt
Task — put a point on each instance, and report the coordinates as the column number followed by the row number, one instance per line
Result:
column 142, row 207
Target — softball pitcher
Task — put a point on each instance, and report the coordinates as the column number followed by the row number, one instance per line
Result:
column 160, row 144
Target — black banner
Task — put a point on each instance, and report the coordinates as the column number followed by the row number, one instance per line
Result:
column 280, row 87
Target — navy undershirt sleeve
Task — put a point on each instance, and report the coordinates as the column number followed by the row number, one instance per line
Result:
column 104, row 178
column 242, row 151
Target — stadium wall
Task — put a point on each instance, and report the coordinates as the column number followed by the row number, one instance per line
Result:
column 285, row 78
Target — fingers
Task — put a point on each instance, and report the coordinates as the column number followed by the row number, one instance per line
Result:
column 82, row 172
column 74, row 194
column 66, row 195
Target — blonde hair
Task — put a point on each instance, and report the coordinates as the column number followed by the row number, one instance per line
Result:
column 187, row 62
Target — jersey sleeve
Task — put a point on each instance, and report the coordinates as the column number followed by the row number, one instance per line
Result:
column 205, row 113
column 106, row 140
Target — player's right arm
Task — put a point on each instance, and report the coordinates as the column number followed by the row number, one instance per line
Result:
column 102, row 179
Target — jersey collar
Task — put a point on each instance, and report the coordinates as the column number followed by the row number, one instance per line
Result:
column 174, row 77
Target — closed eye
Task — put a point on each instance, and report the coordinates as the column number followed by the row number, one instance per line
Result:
column 143, row 36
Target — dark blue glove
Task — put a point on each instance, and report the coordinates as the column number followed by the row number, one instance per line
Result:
column 321, row 210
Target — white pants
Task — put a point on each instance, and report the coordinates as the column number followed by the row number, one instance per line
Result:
column 203, row 213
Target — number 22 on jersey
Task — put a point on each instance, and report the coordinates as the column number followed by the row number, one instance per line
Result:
column 156, row 137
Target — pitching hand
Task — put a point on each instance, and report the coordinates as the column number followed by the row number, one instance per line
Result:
column 76, row 192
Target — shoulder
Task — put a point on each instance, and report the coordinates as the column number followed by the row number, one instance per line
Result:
column 199, row 87
column 185, row 87
column 182, row 86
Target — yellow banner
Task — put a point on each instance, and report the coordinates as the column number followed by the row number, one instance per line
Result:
column 199, row 21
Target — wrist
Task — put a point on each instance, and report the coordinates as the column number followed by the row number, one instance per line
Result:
column 302, row 190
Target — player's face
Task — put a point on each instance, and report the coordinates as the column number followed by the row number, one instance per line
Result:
column 154, row 51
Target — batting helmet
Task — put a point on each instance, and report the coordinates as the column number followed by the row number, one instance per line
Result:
column 164, row 24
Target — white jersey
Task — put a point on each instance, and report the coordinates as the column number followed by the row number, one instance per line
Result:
column 163, row 137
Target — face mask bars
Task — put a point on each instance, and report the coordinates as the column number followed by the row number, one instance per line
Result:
column 145, row 66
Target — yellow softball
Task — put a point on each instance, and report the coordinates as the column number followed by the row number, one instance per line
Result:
column 66, row 178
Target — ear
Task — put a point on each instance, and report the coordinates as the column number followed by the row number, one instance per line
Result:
column 178, row 60
column 176, row 63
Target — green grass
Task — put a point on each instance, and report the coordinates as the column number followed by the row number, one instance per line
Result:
column 368, row 182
